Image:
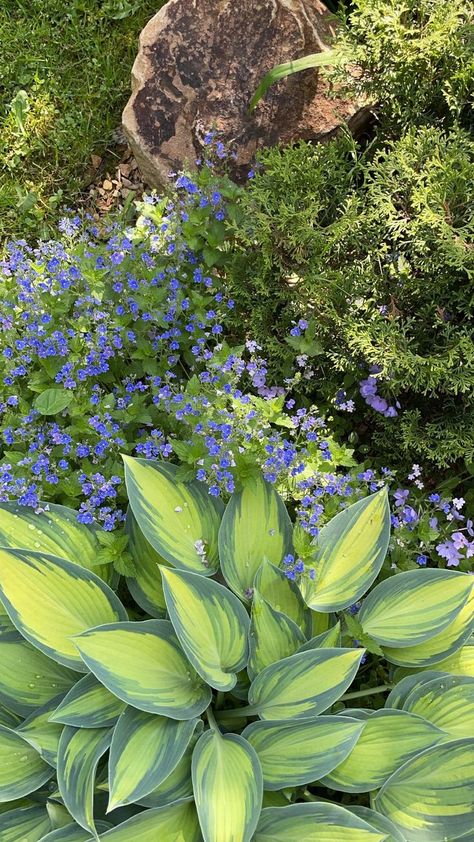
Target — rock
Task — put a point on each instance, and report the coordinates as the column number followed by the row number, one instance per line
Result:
column 199, row 63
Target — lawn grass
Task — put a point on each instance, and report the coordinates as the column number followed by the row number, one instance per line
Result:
column 64, row 78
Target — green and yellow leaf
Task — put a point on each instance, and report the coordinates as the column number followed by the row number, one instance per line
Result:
column 29, row 679
column 176, row 786
column 431, row 796
column 317, row 822
column 22, row 770
column 211, row 625
column 80, row 750
column 388, row 739
column 160, row 681
column 145, row 585
column 378, row 821
column 180, row 520
column 349, row 553
column 55, row 531
column 391, row 613
column 397, row 697
column 24, row 824
column 42, row 734
column 447, row 702
column 326, row 640
column 461, row 662
column 440, row 646
column 272, row 636
column 174, row 823
column 50, row 600
column 305, row 684
column 284, row 596
column 74, row 833
column 296, row 753
column 88, row 705
column 255, row 527
column 145, row 750
column 228, row 787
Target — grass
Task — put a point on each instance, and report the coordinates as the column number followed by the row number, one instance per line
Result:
column 64, row 78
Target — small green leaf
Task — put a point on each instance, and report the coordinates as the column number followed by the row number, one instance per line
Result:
column 52, row 401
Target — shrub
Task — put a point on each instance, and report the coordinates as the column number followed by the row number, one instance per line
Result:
column 226, row 716
column 414, row 59
column 375, row 281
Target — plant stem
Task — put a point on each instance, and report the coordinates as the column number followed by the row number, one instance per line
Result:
column 358, row 694
column 235, row 713
column 219, row 699
column 212, row 722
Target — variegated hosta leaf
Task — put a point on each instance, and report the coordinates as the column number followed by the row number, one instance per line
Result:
column 440, row 646
column 74, row 833
column 174, row 823
column 145, row 749
column 431, row 796
column 305, row 684
column 55, row 531
column 88, row 705
column 161, row 680
column 388, row 739
column 272, row 636
column 180, row 520
column 447, row 702
column 255, row 527
column 176, row 786
column 284, row 596
column 28, row 679
column 314, row 823
column 461, row 662
column 10, row 719
column 328, row 639
column 391, row 613
column 211, row 624
column 42, row 734
column 7, row 629
column 228, row 787
column 296, row 753
column 24, row 824
column 397, row 697
column 349, row 552
column 80, row 750
column 22, row 770
column 58, row 815
column 381, row 823
column 49, row 600
column 145, row 585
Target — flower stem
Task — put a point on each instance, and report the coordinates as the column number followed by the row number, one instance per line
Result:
column 358, row 694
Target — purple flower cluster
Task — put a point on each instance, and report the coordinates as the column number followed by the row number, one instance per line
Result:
column 368, row 389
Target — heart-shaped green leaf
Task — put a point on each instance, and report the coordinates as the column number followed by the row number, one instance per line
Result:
column 303, row 685
column 88, row 705
column 50, row 600
column 180, row 520
column 391, row 615
column 430, row 797
column 255, row 527
column 160, row 681
column 145, row 750
column 211, row 624
column 349, row 552
column 228, row 787
column 388, row 739
column 296, row 753
column 52, row 401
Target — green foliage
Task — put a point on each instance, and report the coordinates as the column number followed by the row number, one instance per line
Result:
column 64, row 76
column 225, row 719
column 414, row 59
column 374, row 249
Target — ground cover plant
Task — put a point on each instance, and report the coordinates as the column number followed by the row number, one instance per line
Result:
column 227, row 716
column 64, row 77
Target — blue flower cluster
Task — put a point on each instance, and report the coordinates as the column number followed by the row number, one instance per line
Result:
column 368, row 389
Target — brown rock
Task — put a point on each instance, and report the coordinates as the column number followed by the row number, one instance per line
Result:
column 198, row 65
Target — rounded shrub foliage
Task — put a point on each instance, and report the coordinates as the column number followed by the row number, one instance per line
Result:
column 217, row 706
column 361, row 265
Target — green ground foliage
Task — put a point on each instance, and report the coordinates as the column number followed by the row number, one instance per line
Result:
column 64, row 78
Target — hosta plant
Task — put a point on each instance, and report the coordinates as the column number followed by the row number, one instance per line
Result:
column 217, row 708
